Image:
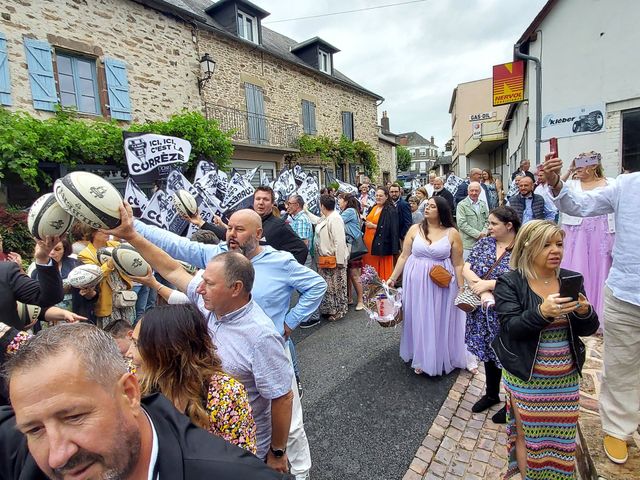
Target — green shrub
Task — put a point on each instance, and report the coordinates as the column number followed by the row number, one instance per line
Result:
column 15, row 234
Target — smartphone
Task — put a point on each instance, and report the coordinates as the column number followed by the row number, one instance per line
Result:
column 553, row 146
column 586, row 161
column 571, row 286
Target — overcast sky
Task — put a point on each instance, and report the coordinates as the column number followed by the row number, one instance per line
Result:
column 412, row 55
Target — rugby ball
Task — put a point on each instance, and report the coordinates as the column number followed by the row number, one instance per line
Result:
column 190, row 269
column 185, row 203
column 129, row 262
column 28, row 314
column 85, row 276
column 47, row 218
column 89, row 198
column 104, row 254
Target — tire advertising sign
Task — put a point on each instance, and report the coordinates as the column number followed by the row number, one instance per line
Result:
column 580, row 120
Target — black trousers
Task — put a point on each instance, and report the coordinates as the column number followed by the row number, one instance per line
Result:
column 493, row 375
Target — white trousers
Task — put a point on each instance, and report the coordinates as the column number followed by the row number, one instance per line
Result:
column 297, row 443
column 620, row 391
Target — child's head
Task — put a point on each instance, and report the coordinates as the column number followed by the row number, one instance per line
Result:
column 121, row 331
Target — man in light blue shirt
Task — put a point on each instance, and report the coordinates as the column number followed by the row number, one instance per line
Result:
column 278, row 275
column 620, row 394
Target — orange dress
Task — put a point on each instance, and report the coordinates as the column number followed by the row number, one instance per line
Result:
column 382, row 264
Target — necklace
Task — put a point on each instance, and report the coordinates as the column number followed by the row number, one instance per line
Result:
column 548, row 281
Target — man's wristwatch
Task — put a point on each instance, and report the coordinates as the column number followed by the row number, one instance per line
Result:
column 278, row 453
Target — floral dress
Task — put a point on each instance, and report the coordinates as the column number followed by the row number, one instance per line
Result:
column 483, row 325
column 230, row 415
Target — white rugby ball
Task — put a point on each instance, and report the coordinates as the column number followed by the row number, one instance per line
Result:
column 28, row 314
column 89, row 198
column 104, row 254
column 130, row 262
column 46, row 217
column 85, row 276
column 185, row 203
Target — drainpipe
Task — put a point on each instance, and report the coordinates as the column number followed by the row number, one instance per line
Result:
column 523, row 56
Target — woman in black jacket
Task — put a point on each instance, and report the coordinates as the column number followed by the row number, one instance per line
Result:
column 541, row 353
column 382, row 234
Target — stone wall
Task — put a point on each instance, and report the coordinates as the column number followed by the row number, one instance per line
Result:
column 285, row 85
column 386, row 161
column 159, row 50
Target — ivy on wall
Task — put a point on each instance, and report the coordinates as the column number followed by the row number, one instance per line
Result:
column 26, row 141
column 340, row 152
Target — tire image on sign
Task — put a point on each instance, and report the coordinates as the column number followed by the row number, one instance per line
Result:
column 594, row 121
column 89, row 198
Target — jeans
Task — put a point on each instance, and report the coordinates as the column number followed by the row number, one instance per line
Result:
column 141, row 304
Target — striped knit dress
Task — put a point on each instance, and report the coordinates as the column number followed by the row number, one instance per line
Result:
column 548, row 405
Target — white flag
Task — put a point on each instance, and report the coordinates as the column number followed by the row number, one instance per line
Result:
column 344, row 187
column 239, row 193
column 154, row 213
column 310, row 193
column 250, row 174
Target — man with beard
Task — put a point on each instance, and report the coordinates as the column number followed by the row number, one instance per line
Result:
column 78, row 413
column 528, row 205
column 404, row 211
column 440, row 191
column 278, row 275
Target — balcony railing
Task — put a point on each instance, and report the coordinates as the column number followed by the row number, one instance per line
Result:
column 253, row 128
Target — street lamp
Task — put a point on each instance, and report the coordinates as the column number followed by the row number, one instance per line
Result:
column 207, row 67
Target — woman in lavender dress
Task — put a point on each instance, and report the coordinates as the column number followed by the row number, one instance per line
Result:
column 482, row 323
column 588, row 242
column 433, row 328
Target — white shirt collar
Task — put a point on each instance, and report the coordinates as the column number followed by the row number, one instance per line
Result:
column 154, row 451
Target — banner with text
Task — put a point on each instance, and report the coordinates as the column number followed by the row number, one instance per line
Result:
column 150, row 156
column 581, row 120
column 508, row 83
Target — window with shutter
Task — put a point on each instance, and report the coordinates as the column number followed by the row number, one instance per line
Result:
column 78, row 83
column 118, row 89
column 347, row 124
column 309, row 117
column 5, row 78
column 40, row 65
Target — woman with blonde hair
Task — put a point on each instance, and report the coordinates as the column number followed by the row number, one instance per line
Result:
column 423, row 197
column 589, row 241
column 541, row 353
column 173, row 354
column 493, row 188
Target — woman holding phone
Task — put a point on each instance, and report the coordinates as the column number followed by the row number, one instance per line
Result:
column 589, row 241
column 541, row 353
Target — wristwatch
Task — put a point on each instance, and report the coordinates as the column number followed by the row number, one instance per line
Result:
column 278, row 453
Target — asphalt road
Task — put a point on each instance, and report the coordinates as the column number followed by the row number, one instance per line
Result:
column 365, row 411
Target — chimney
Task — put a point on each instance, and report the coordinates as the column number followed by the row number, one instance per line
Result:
column 403, row 140
column 384, row 122
column 432, row 140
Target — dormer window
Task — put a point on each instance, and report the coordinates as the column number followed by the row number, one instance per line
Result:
column 247, row 27
column 324, row 62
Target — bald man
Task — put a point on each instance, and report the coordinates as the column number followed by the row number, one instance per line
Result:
column 475, row 175
column 278, row 275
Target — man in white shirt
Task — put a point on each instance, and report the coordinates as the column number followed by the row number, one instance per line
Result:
column 620, row 393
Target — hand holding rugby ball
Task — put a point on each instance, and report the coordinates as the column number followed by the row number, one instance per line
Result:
column 129, row 262
column 185, row 203
column 85, row 276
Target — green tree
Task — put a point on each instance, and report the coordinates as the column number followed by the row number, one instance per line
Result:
column 403, row 156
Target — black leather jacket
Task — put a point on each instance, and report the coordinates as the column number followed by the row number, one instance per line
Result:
column 517, row 306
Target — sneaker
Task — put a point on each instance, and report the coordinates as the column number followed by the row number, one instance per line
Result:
column 310, row 323
column 300, row 390
column 359, row 307
column 500, row 417
column 615, row 449
column 484, row 403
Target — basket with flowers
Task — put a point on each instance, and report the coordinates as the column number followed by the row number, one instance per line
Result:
column 382, row 303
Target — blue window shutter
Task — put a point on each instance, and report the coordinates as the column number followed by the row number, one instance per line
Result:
column 347, row 125
column 312, row 118
column 40, row 64
column 5, row 78
column 118, row 89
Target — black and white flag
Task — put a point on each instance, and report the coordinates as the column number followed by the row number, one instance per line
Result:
column 134, row 196
column 310, row 193
column 154, row 213
column 344, row 187
column 248, row 176
column 298, row 174
column 150, row 156
column 238, row 195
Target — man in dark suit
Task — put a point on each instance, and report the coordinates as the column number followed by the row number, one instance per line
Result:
column 475, row 175
column 440, row 191
column 404, row 210
column 17, row 286
column 82, row 413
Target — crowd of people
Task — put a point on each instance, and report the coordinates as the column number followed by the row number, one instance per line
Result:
column 206, row 339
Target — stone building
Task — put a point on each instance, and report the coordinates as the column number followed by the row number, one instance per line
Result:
column 424, row 154
column 143, row 60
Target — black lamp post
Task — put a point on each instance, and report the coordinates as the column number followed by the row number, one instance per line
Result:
column 207, row 66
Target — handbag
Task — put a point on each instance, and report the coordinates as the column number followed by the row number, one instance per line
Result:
column 440, row 276
column 467, row 300
column 124, row 298
column 327, row 261
column 358, row 248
